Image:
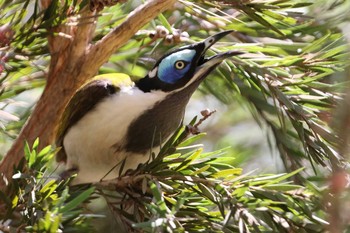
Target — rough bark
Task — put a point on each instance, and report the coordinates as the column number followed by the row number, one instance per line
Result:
column 73, row 61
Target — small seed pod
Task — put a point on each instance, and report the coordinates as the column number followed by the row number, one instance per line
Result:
column 192, row 130
column 176, row 35
column 176, row 32
column 152, row 34
column 162, row 32
column 206, row 112
column 185, row 35
column 169, row 39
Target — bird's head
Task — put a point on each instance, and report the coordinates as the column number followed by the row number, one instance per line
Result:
column 184, row 66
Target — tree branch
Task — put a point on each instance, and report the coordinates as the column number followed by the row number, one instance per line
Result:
column 85, row 26
column 103, row 49
column 66, row 75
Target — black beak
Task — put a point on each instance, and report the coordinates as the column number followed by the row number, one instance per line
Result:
column 206, row 65
column 207, row 43
column 203, row 46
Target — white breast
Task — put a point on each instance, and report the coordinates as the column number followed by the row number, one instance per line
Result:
column 89, row 143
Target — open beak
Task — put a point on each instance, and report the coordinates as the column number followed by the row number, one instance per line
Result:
column 204, row 45
column 206, row 64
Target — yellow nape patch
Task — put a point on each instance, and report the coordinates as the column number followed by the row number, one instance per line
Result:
column 118, row 79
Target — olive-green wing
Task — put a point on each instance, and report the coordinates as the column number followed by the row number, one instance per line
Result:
column 84, row 100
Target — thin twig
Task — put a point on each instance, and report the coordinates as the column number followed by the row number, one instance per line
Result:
column 121, row 183
column 206, row 114
column 103, row 49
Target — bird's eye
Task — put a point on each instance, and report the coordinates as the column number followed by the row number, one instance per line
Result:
column 179, row 65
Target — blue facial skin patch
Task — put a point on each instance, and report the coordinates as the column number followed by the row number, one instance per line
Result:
column 166, row 68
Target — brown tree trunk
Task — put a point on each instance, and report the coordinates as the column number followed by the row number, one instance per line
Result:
column 73, row 61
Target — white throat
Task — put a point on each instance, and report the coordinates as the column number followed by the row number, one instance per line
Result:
column 89, row 143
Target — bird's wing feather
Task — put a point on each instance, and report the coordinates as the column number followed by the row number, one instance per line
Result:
column 85, row 100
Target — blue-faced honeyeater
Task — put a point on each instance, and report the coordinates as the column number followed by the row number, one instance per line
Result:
column 111, row 119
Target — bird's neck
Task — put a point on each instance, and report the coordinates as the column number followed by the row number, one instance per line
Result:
column 156, row 124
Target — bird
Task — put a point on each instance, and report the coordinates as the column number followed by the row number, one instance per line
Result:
column 112, row 120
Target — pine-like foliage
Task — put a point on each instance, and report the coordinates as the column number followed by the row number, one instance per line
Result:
column 182, row 189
